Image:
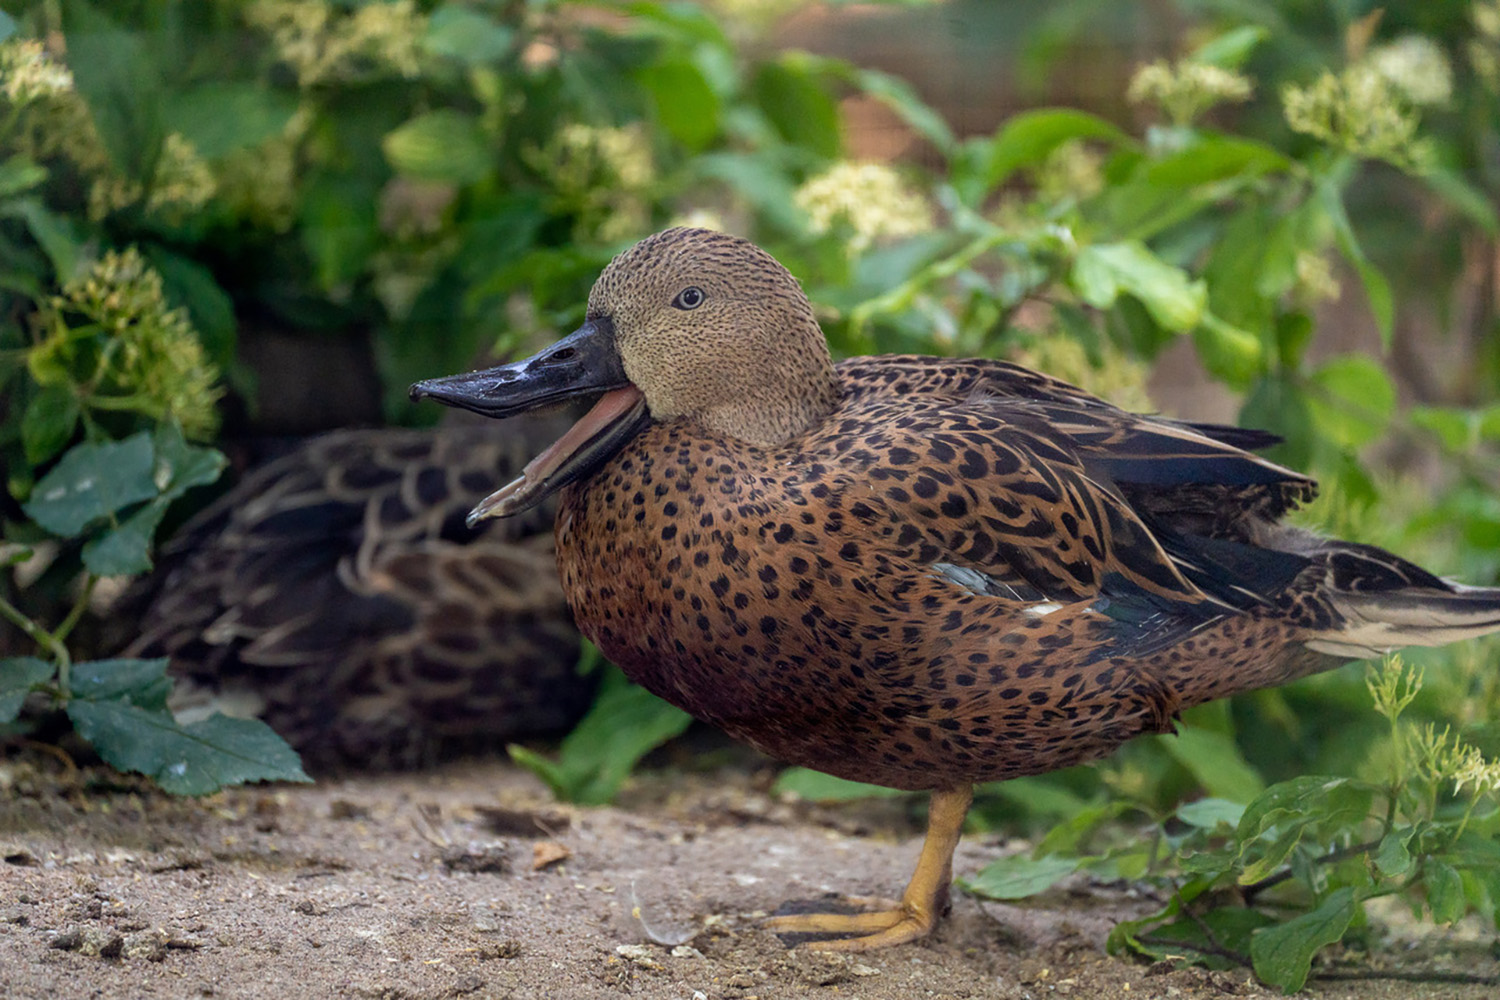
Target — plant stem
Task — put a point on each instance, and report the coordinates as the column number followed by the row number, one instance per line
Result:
column 40, row 636
column 1353, row 850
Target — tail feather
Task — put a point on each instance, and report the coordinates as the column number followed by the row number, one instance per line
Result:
column 1377, row 623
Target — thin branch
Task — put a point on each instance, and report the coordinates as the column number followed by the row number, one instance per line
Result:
column 1353, row 850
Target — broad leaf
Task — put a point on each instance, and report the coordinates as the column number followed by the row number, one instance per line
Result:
column 686, row 105
column 815, row 786
column 138, row 682
column 18, row 675
column 594, row 760
column 125, row 549
column 1020, row 875
column 1027, row 139
column 1103, row 271
column 465, row 34
column 1283, row 953
column 1215, row 760
column 196, row 759
column 443, row 145
column 48, row 422
column 91, row 482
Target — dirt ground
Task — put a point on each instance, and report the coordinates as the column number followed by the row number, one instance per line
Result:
column 424, row 886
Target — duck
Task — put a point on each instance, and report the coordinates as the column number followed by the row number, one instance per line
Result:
column 919, row 572
column 336, row 593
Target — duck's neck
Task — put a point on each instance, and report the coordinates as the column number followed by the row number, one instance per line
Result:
column 781, row 400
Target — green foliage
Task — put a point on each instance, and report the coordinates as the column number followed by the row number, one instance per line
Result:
column 594, row 760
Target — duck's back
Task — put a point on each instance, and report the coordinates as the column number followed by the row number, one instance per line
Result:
column 337, row 592
column 967, row 571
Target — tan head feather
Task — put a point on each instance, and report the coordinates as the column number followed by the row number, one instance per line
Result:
column 710, row 326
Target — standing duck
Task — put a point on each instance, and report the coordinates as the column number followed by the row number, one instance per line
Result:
column 916, row 571
column 337, row 593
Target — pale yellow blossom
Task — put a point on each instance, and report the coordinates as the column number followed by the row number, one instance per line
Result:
column 329, row 42
column 1188, row 88
column 1315, row 280
column 28, row 73
column 1074, row 170
column 700, row 218
column 869, row 198
column 1360, row 111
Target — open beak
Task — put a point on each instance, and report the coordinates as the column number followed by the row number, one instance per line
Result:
column 584, row 362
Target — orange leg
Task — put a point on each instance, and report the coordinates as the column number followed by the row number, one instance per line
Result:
column 920, row 905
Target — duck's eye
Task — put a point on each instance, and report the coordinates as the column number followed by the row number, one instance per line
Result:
column 689, row 298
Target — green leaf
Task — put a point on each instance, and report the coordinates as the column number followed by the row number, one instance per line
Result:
column 220, row 118
column 686, row 105
column 196, row 759
column 1209, row 813
column 898, row 95
column 142, row 683
column 190, row 284
column 125, row 550
column 1232, row 48
column 338, row 228
column 1283, row 954
column 1454, row 426
column 180, row 466
column 1232, row 355
column 1445, row 891
column 1104, row 270
column 1465, row 197
column 462, row 33
column 18, row 675
column 7, row 26
column 815, row 786
column 53, row 233
column 1392, row 858
column 117, row 77
column 1231, row 927
column 594, row 760
column 19, row 174
column 443, row 145
column 1214, row 759
column 1352, row 400
column 48, row 422
column 798, row 106
column 92, row 481
column 1377, row 289
column 1020, row 875
column 1025, row 140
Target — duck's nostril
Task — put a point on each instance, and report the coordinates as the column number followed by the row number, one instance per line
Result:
column 566, row 354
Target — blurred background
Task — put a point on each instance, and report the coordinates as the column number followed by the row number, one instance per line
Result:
column 263, row 219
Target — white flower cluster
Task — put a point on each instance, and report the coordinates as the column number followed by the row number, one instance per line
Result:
column 605, row 171
column 323, row 41
column 1416, row 66
column 1188, row 88
column 869, row 198
column 27, row 73
column 1484, row 48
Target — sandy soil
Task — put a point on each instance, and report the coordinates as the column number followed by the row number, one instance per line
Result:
column 424, row 886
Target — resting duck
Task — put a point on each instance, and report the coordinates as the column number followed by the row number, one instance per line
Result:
column 337, row 593
column 915, row 571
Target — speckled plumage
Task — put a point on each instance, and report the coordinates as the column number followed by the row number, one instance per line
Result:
column 337, row 592
column 923, row 572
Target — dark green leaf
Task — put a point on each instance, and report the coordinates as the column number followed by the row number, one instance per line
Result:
column 1231, row 927
column 625, row 723
column 339, row 228
column 19, row 174
column 196, row 759
column 117, row 77
column 1445, row 891
column 1283, row 953
column 1377, row 289
column 465, row 34
column 219, row 118
column 93, row 481
column 1392, row 858
column 686, row 105
column 48, row 422
column 181, row 466
column 53, row 233
column 125, row 549
column 798, row 106
column 190, row 284
column 1212, row 158
column 1025, row 140
column 443, row 145
column 1018, row 876
column 18, row 675
column 142, row 683
column 815, row 786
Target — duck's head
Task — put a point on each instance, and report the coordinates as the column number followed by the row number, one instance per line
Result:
column 689, row 323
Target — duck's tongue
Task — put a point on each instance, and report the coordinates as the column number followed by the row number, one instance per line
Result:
column 618, row 416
